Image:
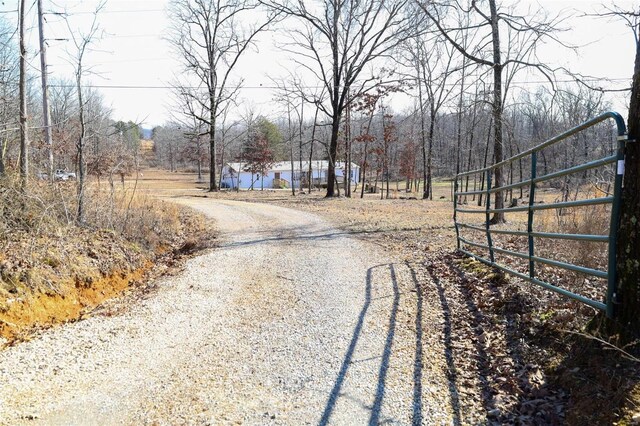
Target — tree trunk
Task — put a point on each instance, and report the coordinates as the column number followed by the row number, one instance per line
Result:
column 333, row 150
column 300, row 128
column 628, row 247
column 363, row 171
column 347, row 165
column 428, row 187
column 498, row 217
column 213, row 185
column 80, row 146
column 335, row 103
column 388, row 179
column 313, row 140
column 293, row 181
column 46, row 114
column 423, row 140
column 346, row 150
column 24, row 134
column 375, row 183
column 220, row 177
column 484, row 164
column 521, row 176
column 291, row 152
column 469, row 162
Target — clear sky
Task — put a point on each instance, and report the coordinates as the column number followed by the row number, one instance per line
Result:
column 133, row 64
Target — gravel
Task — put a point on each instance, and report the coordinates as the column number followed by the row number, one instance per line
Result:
column 288, row 321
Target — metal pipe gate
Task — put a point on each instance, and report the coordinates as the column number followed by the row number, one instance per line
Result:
column 531, row 208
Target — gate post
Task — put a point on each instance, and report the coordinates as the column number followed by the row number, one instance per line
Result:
column 612, row 282
column 455, row 211
column 532, row 198
column 488, row 217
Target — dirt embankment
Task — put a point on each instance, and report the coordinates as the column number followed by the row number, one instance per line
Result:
column 55, row 274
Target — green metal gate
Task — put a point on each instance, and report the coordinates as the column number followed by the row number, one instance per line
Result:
column 531, row 208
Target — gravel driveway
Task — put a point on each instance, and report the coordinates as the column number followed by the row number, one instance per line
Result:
column 288, row 321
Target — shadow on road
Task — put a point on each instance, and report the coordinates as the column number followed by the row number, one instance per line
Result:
column 301, row 233
column 335, row 392
column 387, row 353
column 417, row 359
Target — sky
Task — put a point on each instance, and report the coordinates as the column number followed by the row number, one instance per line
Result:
column 133, row 66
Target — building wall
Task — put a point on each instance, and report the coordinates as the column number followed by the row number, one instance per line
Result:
column 245, row 179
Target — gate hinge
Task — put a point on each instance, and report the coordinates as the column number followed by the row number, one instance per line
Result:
column 615, row 298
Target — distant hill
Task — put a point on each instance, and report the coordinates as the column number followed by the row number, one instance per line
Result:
column 147, row 154
column 146, row 133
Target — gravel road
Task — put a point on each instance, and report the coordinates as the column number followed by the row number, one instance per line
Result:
column 288, row 321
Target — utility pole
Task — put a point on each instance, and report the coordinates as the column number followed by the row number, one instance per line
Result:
column 46, row 114
column 301, row 123
column 347, row 154
column 24, row 135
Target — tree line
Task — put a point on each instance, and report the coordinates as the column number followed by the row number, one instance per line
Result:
column 83, row 137
column 387, row 144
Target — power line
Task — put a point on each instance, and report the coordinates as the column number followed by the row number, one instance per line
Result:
column 102, row 12
column 132, row 35
column 89, row 63
column 133, row 86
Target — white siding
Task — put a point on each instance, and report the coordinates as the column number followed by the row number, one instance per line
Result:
column 231, row 178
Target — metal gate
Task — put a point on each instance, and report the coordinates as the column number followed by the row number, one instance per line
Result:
column 531, row 208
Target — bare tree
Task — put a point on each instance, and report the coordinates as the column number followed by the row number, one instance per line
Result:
column 290, row 95
column 8, row 75
column 63, row 116
column 628, row 247
column 193, row 127
column 166, row 139
column 629, row 232
column 46, row 114
column 210, row 37
column 229, row 133
column 525, row 34
column 434, row 68
column 339, row 41
column 366, row 105
column 81, row 42
column 24, row 134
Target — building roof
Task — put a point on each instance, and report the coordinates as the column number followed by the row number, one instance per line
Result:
column 285, row 166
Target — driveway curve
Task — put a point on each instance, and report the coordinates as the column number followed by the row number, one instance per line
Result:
column 288, row 321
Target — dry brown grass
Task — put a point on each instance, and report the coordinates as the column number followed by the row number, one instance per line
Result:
column 53, row 269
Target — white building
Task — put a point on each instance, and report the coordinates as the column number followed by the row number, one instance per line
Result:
column 279, row 175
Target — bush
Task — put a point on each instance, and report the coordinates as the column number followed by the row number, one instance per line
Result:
column 46, row 208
